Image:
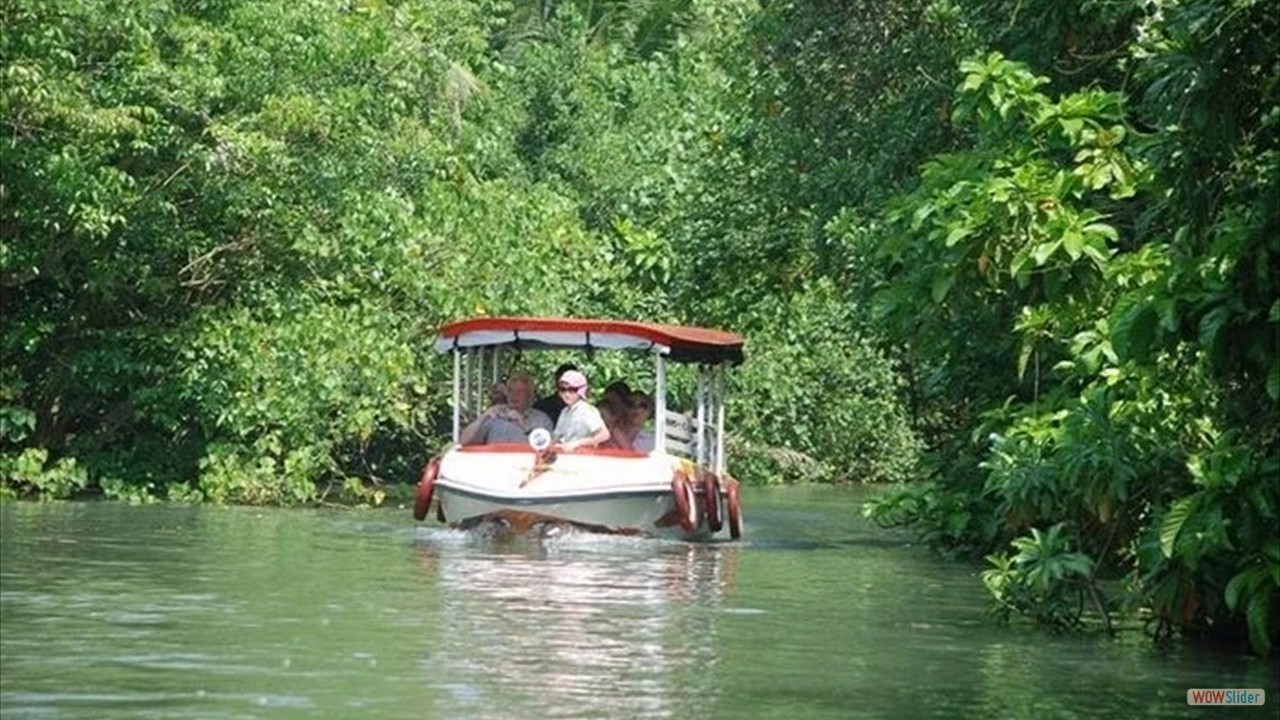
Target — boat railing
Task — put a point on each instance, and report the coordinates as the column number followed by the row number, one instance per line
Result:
column 679, row 430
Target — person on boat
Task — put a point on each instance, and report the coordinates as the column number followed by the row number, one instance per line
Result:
column 498, row 394
column 639, row 410
column 613, row 410
column 553, row 403
column 627, row 427
column 580, row 424
column 510, row 422
column 617, row 393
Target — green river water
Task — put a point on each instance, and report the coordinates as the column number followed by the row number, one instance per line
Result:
column 112, row 612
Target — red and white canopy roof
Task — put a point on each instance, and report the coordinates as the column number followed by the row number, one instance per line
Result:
column 679, row 342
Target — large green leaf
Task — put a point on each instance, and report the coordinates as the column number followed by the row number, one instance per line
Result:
column 941, row 286
column 1173, row 522
column 1134, row 331
column 1258, row 618
column 1212, row 325
column 1234, row 589
column 1044, row 251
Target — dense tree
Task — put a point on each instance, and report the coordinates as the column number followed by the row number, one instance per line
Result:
column 1107, row 259
column 230, row 228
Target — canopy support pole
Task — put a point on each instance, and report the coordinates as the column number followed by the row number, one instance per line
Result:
column 477, row 382
column 702, row 417
column 659, row 404
column 482, row 380
column 457, row 395
column 720, row 396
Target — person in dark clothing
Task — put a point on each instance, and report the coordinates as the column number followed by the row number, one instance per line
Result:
column 553, row 404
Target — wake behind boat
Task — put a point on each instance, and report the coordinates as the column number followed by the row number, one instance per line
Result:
column 678, row 489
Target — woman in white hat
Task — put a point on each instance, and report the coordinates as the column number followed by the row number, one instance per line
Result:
column 579, row 424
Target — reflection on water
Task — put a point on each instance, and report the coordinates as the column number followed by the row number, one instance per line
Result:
column 109, row 612
column 576, row 625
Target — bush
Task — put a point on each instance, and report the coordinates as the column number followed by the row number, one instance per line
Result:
column 816, row 400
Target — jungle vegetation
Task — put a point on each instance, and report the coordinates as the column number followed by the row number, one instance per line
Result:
column 1018, row 259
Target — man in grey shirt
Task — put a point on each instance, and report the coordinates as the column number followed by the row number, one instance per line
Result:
column 509, row 423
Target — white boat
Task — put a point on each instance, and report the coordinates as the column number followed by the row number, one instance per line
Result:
column 679, row 489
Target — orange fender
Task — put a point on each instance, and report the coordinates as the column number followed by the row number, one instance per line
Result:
column 711, row 504
column 733, row 501
column 426, row 488
column 686, row 504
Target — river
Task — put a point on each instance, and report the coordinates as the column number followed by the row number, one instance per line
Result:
column 115, row 612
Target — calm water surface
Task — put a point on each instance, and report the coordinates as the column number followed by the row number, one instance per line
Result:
column 109, row 611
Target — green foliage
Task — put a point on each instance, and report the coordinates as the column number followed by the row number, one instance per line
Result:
column 1211, row 558
column 945, row 517
column 229, row 231
column 817, row 402
column 137, row 492
column 1100, row 256
column 825, row 110
column 28, row 472
column 16, row 423
column 265, row 473
column 228, row 234
column 1255, row 593
column 31, row 473
column 1045, row 579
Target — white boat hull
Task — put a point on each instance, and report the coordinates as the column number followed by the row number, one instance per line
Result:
column 603, row 493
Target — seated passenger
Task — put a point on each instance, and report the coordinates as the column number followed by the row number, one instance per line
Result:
column 617, row 393
column 553, row 404
column 510, row 422
column 613, row 409
column 580, row 424
column 639, row 410
column 498, row 394
column 631, row 433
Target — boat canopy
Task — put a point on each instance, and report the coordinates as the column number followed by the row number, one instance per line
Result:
column 680, row 343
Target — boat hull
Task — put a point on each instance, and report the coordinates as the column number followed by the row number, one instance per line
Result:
column 618, row 493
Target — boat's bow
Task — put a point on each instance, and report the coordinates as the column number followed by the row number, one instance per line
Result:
column 608, row 490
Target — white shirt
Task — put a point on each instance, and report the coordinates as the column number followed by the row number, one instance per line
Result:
column 578, row 421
